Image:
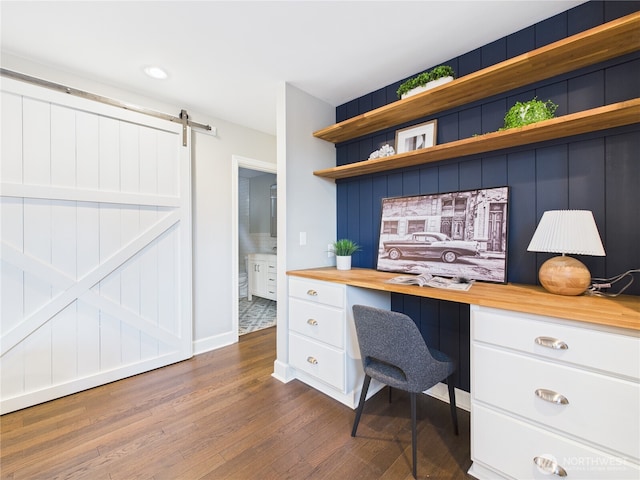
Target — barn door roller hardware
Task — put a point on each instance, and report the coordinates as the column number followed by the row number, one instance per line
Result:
column 183, row 118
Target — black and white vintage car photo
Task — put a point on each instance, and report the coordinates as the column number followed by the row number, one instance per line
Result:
column 431, row 245
column 455, row 234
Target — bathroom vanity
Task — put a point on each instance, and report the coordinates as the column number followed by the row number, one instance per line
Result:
column 261, row 269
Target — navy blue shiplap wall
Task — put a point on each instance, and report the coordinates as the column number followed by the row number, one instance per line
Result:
column 599, row 171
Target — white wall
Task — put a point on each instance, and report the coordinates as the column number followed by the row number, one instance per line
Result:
column 213, row 261
column 311, row 201
column 306, row 203
column 211, row 167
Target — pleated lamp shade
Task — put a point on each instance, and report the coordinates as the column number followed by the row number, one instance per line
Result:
column 566, row 232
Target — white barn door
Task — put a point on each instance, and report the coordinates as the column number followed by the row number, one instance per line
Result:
column 95, row 244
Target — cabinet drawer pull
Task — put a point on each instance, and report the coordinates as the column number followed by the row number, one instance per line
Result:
column 551, row 342
column 551, row 396
column 548, row 466
column 312, row 293
column 312, row 321
column 312, row 360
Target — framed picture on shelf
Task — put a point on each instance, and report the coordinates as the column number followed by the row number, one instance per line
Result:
column 456, row 234
column 416, row 137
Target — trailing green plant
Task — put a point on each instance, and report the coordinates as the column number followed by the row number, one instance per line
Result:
column 442, row 71
column 525, row 113
column 345, row 247
column 424, row 78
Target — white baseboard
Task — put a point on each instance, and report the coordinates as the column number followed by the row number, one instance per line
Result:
column 441, row 392
column 282, row 371
column 214, row 342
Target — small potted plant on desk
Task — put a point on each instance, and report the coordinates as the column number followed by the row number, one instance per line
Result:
column 343, row 249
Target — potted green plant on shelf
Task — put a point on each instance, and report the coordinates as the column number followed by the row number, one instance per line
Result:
column 343, row 249
column 426, row 81
column 525, row 113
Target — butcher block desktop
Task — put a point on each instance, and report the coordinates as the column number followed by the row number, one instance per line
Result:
column 622, row 311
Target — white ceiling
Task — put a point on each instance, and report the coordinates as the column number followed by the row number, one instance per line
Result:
column 226, row 58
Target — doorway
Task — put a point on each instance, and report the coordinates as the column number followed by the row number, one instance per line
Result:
column 254, row 243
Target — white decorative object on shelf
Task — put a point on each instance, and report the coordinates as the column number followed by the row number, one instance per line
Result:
column 427, row 86
column 384, row 151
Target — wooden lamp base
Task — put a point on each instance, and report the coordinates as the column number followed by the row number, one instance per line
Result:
column 564, row 275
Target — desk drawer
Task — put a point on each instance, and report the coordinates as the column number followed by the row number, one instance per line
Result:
column 317, row 292
column 510, row 445
column 601, row 409
column 317, row 359
column 610, row 352
column 319, row 322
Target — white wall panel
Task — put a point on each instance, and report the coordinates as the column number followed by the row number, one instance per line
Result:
column 96, row 245
column 64, row 341
column 11, row 283
column 36, row 244
column 87, row 257
column 148, row 161
column 11, row 277
column 36, row 136
column 37, row 355
column 63, row 258
column 63, row 146
column 109, row 154
column 88, row 149
column 129, row 158
column 167, row 301
column 12, row 379
column 168, row 172
column 11, row 138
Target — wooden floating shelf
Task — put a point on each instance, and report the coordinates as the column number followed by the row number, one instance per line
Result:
column 610, row 40
column 601, row 118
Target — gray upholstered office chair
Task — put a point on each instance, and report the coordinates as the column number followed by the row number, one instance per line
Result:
column 394, row 353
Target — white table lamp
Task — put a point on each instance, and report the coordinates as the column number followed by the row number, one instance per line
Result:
column 566, row 232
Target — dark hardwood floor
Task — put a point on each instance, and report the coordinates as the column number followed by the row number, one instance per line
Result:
column 221, row 415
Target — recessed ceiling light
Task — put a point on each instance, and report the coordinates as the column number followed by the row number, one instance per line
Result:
column 156, row 72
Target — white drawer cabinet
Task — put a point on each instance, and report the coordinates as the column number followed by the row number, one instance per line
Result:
column 318, row 322
column 262, row 276
column 586, row 347
column 323, row 362
column 598, row 406
column 323, row 347
column 514, row 445
column 314, row 291
column 548, row 388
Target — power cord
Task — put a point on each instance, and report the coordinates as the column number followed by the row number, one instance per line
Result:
column 599, row 284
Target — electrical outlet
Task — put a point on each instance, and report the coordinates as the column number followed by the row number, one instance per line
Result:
column 330, row 252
